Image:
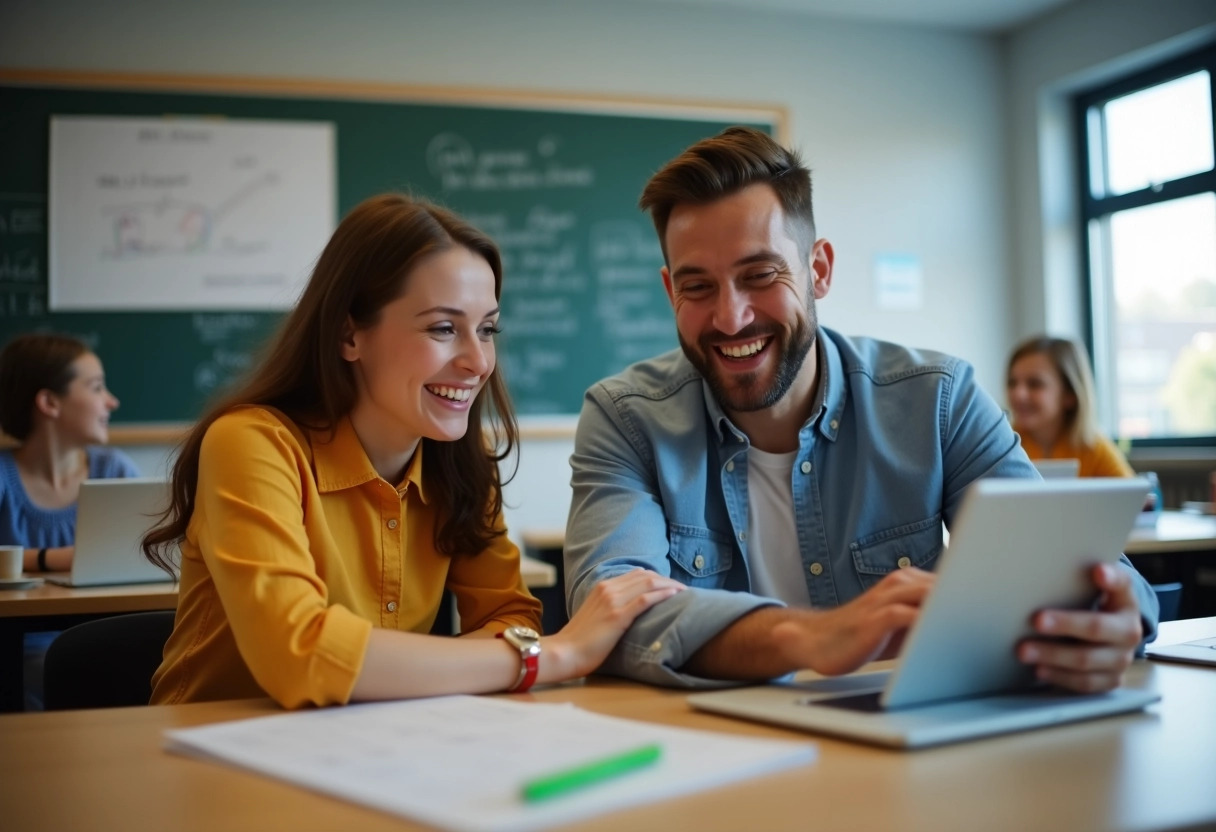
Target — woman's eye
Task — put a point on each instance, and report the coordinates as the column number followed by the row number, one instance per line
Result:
column 489, row 331
column 443, row 329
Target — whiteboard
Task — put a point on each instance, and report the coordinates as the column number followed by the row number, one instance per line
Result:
column 186, row 213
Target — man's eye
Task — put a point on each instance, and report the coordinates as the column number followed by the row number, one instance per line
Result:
column 690, row 288
column 766, row 276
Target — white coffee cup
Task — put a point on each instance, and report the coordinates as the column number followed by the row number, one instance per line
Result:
column 12, row 558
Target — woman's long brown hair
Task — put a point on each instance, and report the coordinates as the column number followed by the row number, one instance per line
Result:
column 363, row 268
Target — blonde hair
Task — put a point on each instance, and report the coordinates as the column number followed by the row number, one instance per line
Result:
column 1072, row 363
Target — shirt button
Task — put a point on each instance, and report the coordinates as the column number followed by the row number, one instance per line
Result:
column 656, row 647
column 806, row 467
column 730, row 466
column 698, row 562
column 391, row 606
column 392, row 524
column 816, row 568
column 904, row 562
column 743, row 535
column 834, row 424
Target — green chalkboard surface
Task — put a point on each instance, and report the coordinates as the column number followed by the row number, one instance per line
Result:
column 555, row 183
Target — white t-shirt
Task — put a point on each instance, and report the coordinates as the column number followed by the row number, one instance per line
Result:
column 772, row 553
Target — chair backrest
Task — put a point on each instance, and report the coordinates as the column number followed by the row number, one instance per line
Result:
column 105, row 663
column 1169, row 596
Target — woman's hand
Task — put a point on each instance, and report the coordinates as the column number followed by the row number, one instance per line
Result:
column 583, row 644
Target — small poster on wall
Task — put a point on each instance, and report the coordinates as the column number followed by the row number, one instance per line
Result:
column 186, row 213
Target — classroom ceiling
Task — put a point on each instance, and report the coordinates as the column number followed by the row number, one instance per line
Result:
column 991, row 16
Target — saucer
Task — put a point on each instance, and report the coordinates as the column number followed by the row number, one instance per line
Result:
column 19, row 583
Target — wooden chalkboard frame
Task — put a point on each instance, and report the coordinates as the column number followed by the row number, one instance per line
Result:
column 286, row 88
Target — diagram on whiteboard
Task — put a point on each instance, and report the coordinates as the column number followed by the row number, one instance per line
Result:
column 186, row 214
column 178, row 226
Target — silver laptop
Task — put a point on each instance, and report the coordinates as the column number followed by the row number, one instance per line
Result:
column 1058, row 469
column 111, row 517
column 1196, row 651
column 1018, row 546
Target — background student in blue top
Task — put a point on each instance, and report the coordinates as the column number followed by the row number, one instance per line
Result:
column 54, row 402
column 795, row 479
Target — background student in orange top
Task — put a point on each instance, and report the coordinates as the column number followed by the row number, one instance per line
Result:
column 1051, row 396
column 324, row 508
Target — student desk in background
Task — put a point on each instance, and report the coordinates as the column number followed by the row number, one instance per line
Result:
column 48, row 607
column 1180, row 547
column 105, row 770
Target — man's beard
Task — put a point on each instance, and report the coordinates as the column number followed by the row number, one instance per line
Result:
column 745, row 395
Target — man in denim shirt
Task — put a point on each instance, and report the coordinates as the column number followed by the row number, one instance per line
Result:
column 774, row 465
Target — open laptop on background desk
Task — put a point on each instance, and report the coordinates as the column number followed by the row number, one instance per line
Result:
column 1058, row 469
column 1018, row 546
column 111, row 518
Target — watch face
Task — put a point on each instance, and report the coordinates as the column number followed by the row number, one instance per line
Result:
column 524, row 633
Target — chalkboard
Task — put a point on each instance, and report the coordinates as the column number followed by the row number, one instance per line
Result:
column 555, row 183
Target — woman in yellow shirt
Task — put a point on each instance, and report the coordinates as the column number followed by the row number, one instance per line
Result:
column 1051, row 395
column 324, row 507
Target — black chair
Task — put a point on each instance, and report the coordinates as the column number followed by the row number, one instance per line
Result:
column 1169, row 596
column 105, row 663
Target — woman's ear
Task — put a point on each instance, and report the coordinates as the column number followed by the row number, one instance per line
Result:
column 349, row 344
column 46, row 403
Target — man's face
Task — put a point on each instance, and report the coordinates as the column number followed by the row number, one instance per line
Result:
column 744, row 297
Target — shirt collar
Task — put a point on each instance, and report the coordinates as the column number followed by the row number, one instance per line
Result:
column 340, row 462
column 828, row 396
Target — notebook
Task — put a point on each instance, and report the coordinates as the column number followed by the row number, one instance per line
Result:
column 111, row 517
column 1054, row 469
column 1017, row 546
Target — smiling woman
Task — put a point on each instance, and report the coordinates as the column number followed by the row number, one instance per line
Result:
column 324, row 508
column 55, row 403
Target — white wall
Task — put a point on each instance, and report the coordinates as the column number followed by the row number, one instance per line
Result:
column 903, row 127
column 1081, row 45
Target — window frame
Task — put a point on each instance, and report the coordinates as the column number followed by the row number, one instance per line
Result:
column 1093, row 208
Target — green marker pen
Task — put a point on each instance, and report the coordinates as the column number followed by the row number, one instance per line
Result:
column 555, row 785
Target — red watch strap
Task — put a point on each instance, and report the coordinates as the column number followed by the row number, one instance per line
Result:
column 527, row 672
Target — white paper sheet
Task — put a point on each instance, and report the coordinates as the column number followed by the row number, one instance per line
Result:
column 459, row 761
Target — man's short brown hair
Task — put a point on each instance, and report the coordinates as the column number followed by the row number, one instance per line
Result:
column 724, row 164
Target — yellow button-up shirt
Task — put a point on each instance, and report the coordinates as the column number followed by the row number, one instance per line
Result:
column 296, row 549
column 1102, row 459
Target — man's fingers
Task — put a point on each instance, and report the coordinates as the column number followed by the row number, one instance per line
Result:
column 1118, row 628
column 1079, row 681
column 1116, row 586
column 1075, row 657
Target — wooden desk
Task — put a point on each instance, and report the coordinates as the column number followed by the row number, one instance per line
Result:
column 1176, row 531
column 105, row 770
column 49, row 607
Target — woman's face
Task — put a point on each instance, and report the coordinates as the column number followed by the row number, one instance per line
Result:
column 1038, row 397
column 420, row 367
column 83, row 411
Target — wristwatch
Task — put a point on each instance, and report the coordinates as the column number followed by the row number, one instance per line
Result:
column 527, row 642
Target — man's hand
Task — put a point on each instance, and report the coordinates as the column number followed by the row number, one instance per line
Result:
column 773, row 641
column 869, row 627
column 1088, row 650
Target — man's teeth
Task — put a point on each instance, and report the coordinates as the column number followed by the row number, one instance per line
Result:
column 456, row 394
column 743, row 351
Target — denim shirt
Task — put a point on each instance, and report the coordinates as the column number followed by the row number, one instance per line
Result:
column 660, row 482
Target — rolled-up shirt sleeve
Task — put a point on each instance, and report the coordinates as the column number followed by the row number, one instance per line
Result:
column 617, row 523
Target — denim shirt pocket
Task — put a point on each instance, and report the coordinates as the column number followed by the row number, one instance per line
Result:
column 699, row 556
column 914, row 544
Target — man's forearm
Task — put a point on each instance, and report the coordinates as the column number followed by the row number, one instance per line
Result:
column 746, row 650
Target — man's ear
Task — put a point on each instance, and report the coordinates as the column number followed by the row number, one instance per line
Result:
column 349, row 345
column 671, row 295
column 821, row 260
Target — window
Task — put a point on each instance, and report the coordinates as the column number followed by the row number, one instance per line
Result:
column 1149, row 209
